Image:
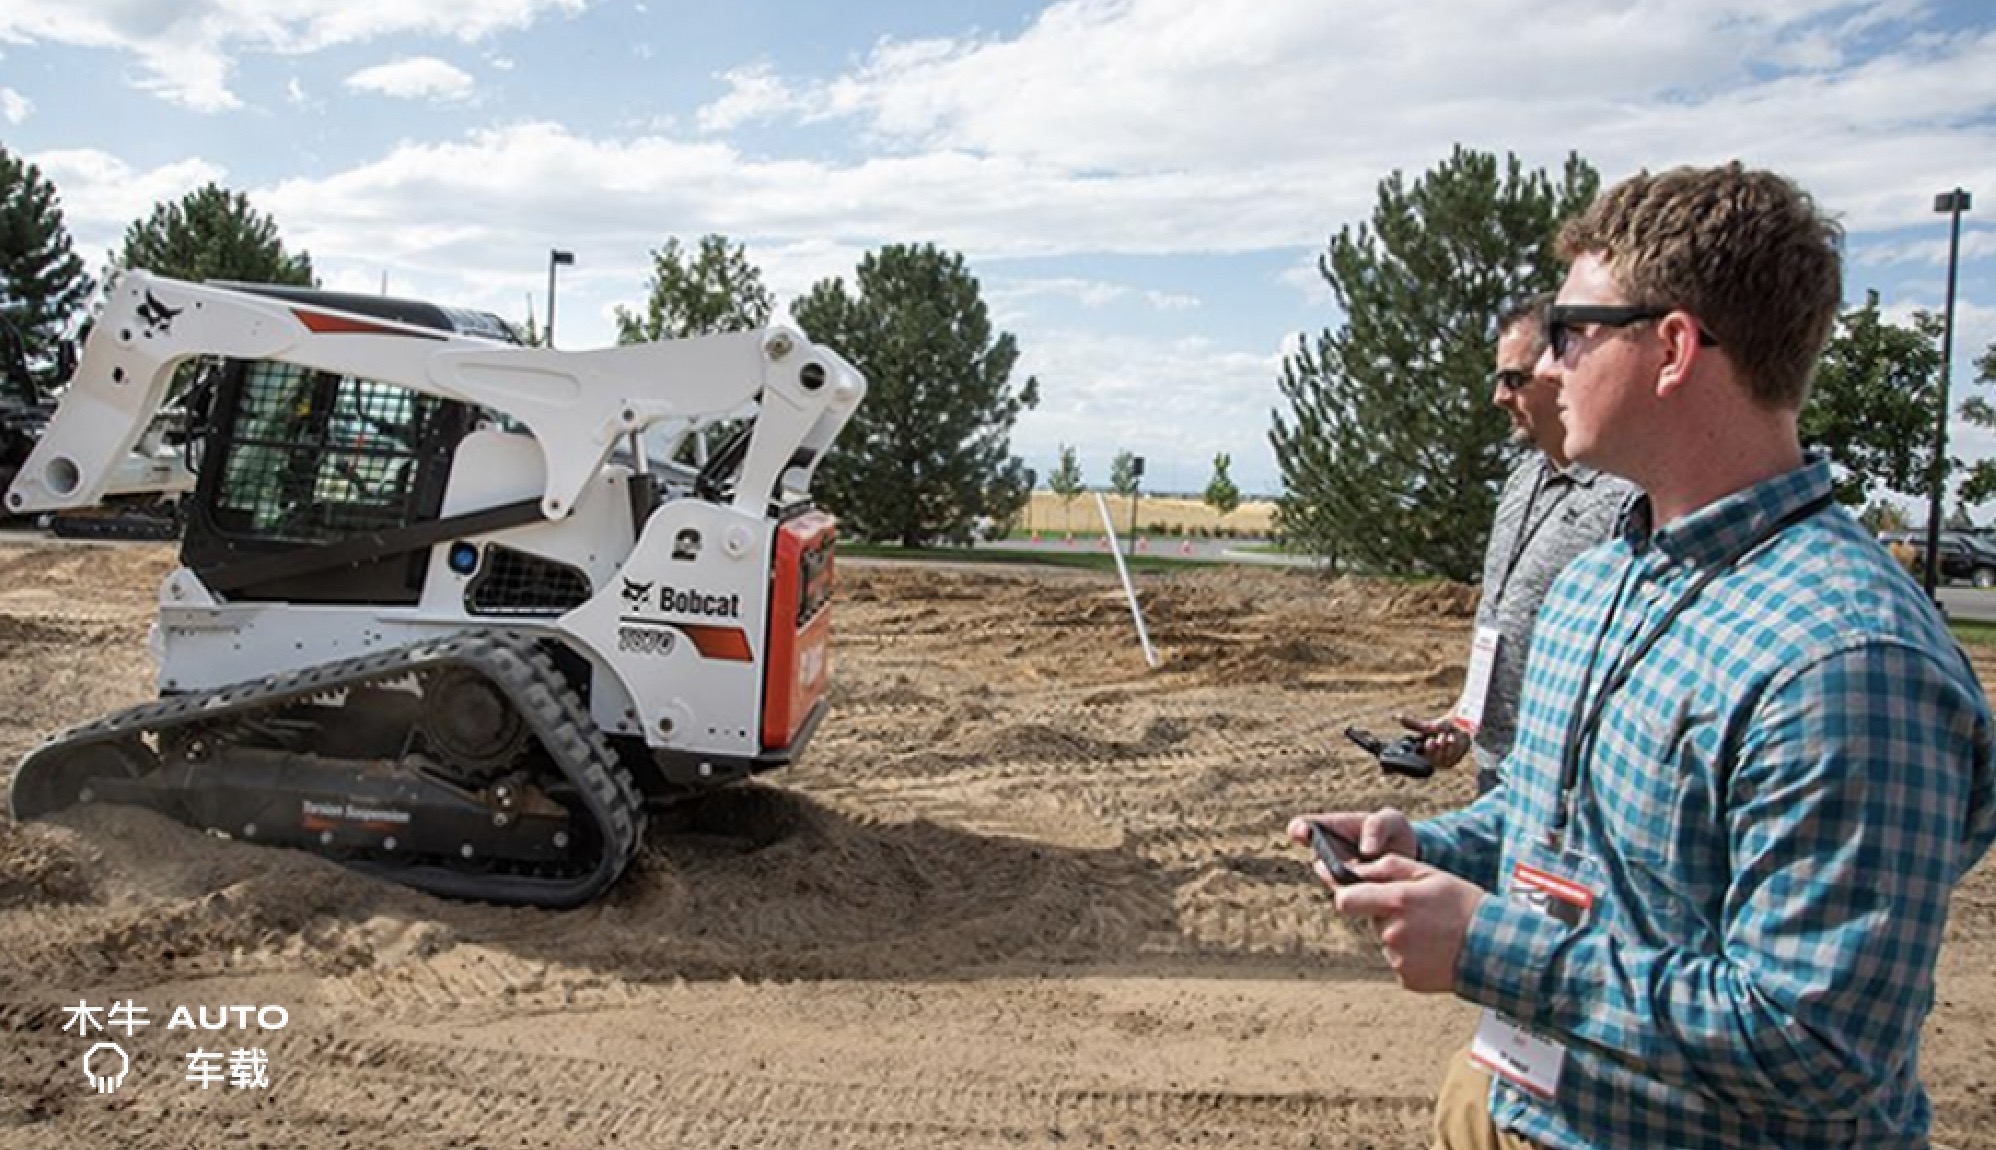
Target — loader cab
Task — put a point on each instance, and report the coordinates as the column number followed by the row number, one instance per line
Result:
column 294, row 459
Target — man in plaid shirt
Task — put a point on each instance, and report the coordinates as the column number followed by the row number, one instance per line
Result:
column 1705, row 907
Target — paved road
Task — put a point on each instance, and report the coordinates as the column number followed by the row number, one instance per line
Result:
column 1969, row 604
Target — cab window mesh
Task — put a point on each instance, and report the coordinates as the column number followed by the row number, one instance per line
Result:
column 316, row 456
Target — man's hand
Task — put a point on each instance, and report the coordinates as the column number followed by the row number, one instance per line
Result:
column 1422, row 915
column 1383, row 832
column 1442, row 743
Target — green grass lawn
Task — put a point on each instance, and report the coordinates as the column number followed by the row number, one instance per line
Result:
column 1973, row 634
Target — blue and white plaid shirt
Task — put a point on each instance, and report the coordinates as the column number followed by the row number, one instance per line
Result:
column 1775, row 809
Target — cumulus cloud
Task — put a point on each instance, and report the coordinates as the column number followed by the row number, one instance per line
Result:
column 187, row 51
column 754, row 93
column 1086, row 292
column 102, row 195
column 1976, row 243
column 1343, row 94
column 414, row 78
column 1138, row 127
column 14, row 107
column 1175, row 402
column 1172, row 301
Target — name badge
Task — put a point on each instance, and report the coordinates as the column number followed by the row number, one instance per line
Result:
column 1514, row 1053
column 1476, row 681
column 1519, row 1055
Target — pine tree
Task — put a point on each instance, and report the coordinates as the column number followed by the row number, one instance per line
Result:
column 1221, row 494
column 1979, row 485
column 1391, row 453
column 42, row 280
column 213, row 234
column 1871, row 409
column 715, row 290
column 929, row 450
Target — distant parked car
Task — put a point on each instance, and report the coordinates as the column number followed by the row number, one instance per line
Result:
column 1964, row 557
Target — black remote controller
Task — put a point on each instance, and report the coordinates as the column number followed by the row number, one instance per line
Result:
column 1402, row 756
column 1337, row 853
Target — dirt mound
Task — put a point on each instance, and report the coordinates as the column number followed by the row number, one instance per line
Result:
column 40, row 865
column 757, row 882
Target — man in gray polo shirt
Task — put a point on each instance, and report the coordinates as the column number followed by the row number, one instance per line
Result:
column 1551, row 510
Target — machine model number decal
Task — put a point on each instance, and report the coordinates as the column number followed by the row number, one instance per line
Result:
column 811, row 665
column 644, row 641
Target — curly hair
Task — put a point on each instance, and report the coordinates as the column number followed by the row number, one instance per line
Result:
column 1746, row 252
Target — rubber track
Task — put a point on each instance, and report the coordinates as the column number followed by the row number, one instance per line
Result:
column 517, row 664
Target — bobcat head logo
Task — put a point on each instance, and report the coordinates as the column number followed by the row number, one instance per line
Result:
column 157, row 316
column 636, row 594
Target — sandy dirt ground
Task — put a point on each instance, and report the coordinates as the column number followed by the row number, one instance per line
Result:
column 1022, row 892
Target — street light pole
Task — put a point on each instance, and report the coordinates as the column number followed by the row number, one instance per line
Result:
column 556, row 258
column 1136, row 493
column 1954, row 203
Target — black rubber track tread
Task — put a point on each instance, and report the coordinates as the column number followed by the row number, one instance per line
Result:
column 518, row 665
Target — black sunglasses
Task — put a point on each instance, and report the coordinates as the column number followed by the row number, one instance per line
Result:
column 1513, row 380
column 1562, row 318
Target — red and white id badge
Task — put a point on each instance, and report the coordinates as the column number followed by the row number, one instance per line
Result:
column 1568, row 900
column 1519, row 1055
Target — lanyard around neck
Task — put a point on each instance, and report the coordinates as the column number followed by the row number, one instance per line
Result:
column 1584, row 720
column 1528, row 527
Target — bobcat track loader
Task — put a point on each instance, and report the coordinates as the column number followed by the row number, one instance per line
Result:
column 444, row 610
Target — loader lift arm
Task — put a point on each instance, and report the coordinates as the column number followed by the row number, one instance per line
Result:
column 577, row 405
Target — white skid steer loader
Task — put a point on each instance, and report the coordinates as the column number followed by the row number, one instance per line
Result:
column 444, row 610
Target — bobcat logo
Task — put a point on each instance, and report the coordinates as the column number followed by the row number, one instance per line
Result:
column 637, row 594
column 157, row 316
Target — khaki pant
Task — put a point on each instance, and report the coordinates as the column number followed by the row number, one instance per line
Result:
column 1462, row 1111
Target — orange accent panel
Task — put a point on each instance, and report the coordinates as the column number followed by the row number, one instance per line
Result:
column 327, row 324
column 730, row 643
